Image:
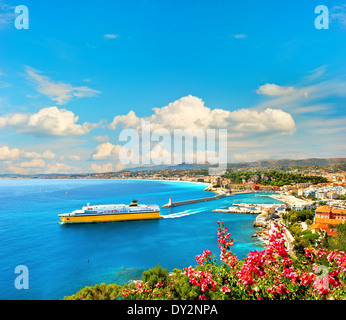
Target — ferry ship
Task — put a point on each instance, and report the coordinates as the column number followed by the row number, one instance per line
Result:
column 111, row 213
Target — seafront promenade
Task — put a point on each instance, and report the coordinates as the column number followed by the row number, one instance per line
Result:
column 290, row 200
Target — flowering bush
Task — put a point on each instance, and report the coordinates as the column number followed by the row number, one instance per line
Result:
column 267, row 274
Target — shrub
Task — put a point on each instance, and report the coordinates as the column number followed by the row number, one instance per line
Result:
column 155, row 275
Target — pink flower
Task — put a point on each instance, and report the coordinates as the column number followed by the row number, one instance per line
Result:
column 307, row 278
column 200, row 259
column 206, row 253
column 341, row 262
column 321, row 286
column 280, row 289
column 225, row 289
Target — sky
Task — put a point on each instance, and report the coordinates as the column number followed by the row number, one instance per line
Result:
column 84, row 73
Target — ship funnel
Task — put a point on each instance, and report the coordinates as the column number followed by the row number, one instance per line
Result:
column 133, row 203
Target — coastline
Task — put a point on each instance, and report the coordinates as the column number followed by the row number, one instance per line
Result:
column 207, row 184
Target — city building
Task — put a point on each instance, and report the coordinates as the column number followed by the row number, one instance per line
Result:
column 326, row 216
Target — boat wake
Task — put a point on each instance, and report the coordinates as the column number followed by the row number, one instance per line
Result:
column 181, row 214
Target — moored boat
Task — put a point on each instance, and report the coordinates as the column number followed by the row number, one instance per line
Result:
column 111, row 213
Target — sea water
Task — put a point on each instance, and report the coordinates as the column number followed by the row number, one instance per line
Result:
column 61, row 259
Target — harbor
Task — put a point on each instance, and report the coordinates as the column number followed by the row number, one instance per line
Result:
column 267, row 215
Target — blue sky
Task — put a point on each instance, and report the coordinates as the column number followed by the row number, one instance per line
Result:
column 85, row 70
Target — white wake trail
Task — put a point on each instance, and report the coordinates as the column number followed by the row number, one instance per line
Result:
column 181, row 214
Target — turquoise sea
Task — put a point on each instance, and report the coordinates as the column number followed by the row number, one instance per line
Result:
column 61, row 259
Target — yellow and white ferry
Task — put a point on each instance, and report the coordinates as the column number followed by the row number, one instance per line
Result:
column 111, row 212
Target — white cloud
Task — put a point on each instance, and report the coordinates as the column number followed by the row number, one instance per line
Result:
column 12, row 159
column 32, row 155
column 58, row 91
column 129, row 120
column 7, row 15
column 58, row 167
column 48, row 154
column 313, row 108
column 307, row 96
column 34, row 163
column 73, row 157
column 49, row 121
column 105, row 151
column 108, row 167
column 190, row 113
column 158, row 155
column 101, row 138
column 271, row 89
column 6, row 153
column 18, row 170
column 9, row 154
column 111, row 36
column 338, row 14
column 240, row 36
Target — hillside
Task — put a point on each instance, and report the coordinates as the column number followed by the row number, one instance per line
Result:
column 336, row 164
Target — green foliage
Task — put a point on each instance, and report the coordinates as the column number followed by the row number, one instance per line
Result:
column 272, row 177
column 299, row 246
column 337, row 242
column 302, row 238
column 296, row 228
column 312, row 237
column 299, row 216
column 181, row 288
column 97, row 292
column 155, row 275
column 308, row 222
column 293, row 217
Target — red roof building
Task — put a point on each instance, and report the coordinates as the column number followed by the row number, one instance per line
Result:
column 327, row 215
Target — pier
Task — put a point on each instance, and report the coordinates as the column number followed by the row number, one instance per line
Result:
column 236, row 210
column 180, row 203
column 251, row 208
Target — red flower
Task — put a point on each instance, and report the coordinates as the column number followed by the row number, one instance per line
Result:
column 225, row 289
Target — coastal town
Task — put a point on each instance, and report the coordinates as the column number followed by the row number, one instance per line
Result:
column 321, row 191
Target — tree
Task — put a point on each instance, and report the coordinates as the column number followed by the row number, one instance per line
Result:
column 293, row 217
column 337, row 242
column 296, row 228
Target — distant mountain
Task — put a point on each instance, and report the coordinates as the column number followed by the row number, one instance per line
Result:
column 181, row 166
column 289, row 162
column 185, row 166
column 259, row 163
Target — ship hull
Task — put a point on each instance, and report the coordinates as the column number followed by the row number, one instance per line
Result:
column 100, row 218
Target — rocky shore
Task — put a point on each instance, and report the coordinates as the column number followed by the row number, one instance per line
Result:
column 264, row 221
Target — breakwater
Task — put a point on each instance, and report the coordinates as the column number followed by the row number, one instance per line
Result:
column 180, row 203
